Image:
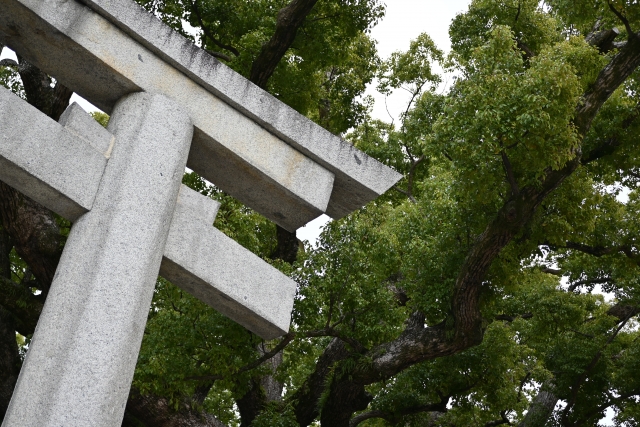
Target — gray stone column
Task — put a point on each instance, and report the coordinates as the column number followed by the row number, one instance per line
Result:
column 81, row 361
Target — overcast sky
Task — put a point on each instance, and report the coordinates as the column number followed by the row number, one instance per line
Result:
column 403, row 22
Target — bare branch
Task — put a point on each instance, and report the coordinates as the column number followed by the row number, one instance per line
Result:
column 554, row 271
column 575, row 388
column 603, row 40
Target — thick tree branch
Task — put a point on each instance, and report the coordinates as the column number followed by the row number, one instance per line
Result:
column 598, row 281
column 158, row 412
column 290, row 19
column 503, row 420
column 598, row 251
column 464, row 329
column 541, row 407
column 575, row 388
column 210, row 36
column 396, row 416
column 603, row 40
column 554, row 271
column 625, row 21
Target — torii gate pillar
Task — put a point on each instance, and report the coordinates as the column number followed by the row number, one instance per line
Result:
column 89, row 334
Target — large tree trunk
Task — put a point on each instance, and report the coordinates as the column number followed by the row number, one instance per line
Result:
column 541, row 407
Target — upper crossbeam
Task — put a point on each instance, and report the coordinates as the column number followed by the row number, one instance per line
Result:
column 246, row 142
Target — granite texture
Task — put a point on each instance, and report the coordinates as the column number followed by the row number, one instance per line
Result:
column 359, row 178
column 247, row 142
column 218, row 271
column 79, row 122
column 47, row 162
column 89, row 334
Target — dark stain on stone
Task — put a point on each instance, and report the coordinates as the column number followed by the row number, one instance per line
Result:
column 140, row 58
column 358, row 161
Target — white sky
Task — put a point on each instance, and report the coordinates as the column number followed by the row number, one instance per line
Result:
column 404, row 21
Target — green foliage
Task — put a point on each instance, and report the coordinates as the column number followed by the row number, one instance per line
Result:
column 505, row 123
column 101, row 118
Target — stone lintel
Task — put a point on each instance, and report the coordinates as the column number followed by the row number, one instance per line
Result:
column 229, row 149
column 76, row 120
column 218, row 271
column 358, row 178
column 47, row 162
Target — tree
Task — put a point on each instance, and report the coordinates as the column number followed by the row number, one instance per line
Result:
column 465, row 296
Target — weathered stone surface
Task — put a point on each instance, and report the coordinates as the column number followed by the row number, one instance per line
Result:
column 221, row 273
column 46, row 161
column 229, row 149
column 77, row 121
column 81, row 361
column 359, row 178
column 244, row 137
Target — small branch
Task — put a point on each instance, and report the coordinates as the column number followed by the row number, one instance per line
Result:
column 502, row 420
column 406, row 193
column 412, row 170
column 392, row 417
column 218, row 55
column 579, row 283
column 509, row 171
column 624, row 20
column 522, row 383
column 277, row 349
column 611, row 402
column 575, row 331
column 512, row 318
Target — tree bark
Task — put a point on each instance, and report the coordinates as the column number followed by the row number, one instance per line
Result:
column 290, row 19
column 154, row 411
column 541, row 407
column 9, row 355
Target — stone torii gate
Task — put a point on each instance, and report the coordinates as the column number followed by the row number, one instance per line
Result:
column 172, row 105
